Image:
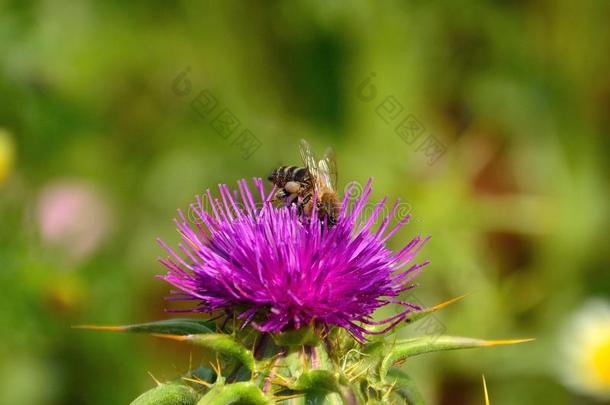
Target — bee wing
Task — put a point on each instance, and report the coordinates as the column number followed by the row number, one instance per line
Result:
column 307, row 156
column 309, row 159
column 327, row 169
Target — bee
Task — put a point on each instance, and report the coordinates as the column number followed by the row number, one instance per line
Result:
column 298, row 185
column 291, row 182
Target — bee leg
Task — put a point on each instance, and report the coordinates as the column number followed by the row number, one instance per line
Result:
column 304, row 206
column 291, row 198
column 300, row 208
column 280, row 195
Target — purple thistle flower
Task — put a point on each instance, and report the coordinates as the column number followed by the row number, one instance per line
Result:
column 280, row 271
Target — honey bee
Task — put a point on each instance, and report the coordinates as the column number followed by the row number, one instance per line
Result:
column 298, row 185
column 291, row 182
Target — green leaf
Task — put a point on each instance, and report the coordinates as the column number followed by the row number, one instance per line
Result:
column 245, row 393
column 426, row 344
column 405, row 387
column 178, row 326
column 219, row 343
column 168, row 394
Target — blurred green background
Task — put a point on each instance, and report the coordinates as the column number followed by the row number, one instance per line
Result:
column 99, row 146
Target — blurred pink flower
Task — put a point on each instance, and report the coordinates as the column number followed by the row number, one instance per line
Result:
column 73, row 216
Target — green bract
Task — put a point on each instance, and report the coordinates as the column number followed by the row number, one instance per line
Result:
column 300, row 367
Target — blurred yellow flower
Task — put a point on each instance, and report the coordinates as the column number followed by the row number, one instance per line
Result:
column 7, row 154
column 585, row 347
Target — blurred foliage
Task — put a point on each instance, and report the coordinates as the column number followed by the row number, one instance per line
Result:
column 518, row 92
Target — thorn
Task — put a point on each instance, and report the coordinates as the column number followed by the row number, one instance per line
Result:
column 97, row 327
column 180, row 338
column 390, row 389
column 273, row 362
column 485, row 391
column 353, row 367
column 279, row 379
column 218, row 365
column 253, row 344
column 506, row 342
column 348, row 353
column 305, row 365
column 268, row 384
column 154, row 379
column 399, row 362
column 448, row 302
column 324, row 334
column 358, row 375
column 197, row 380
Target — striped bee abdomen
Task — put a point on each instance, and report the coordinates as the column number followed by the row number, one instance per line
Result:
column 284, row 174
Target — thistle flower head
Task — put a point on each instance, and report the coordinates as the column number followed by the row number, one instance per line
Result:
column 276, row 270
